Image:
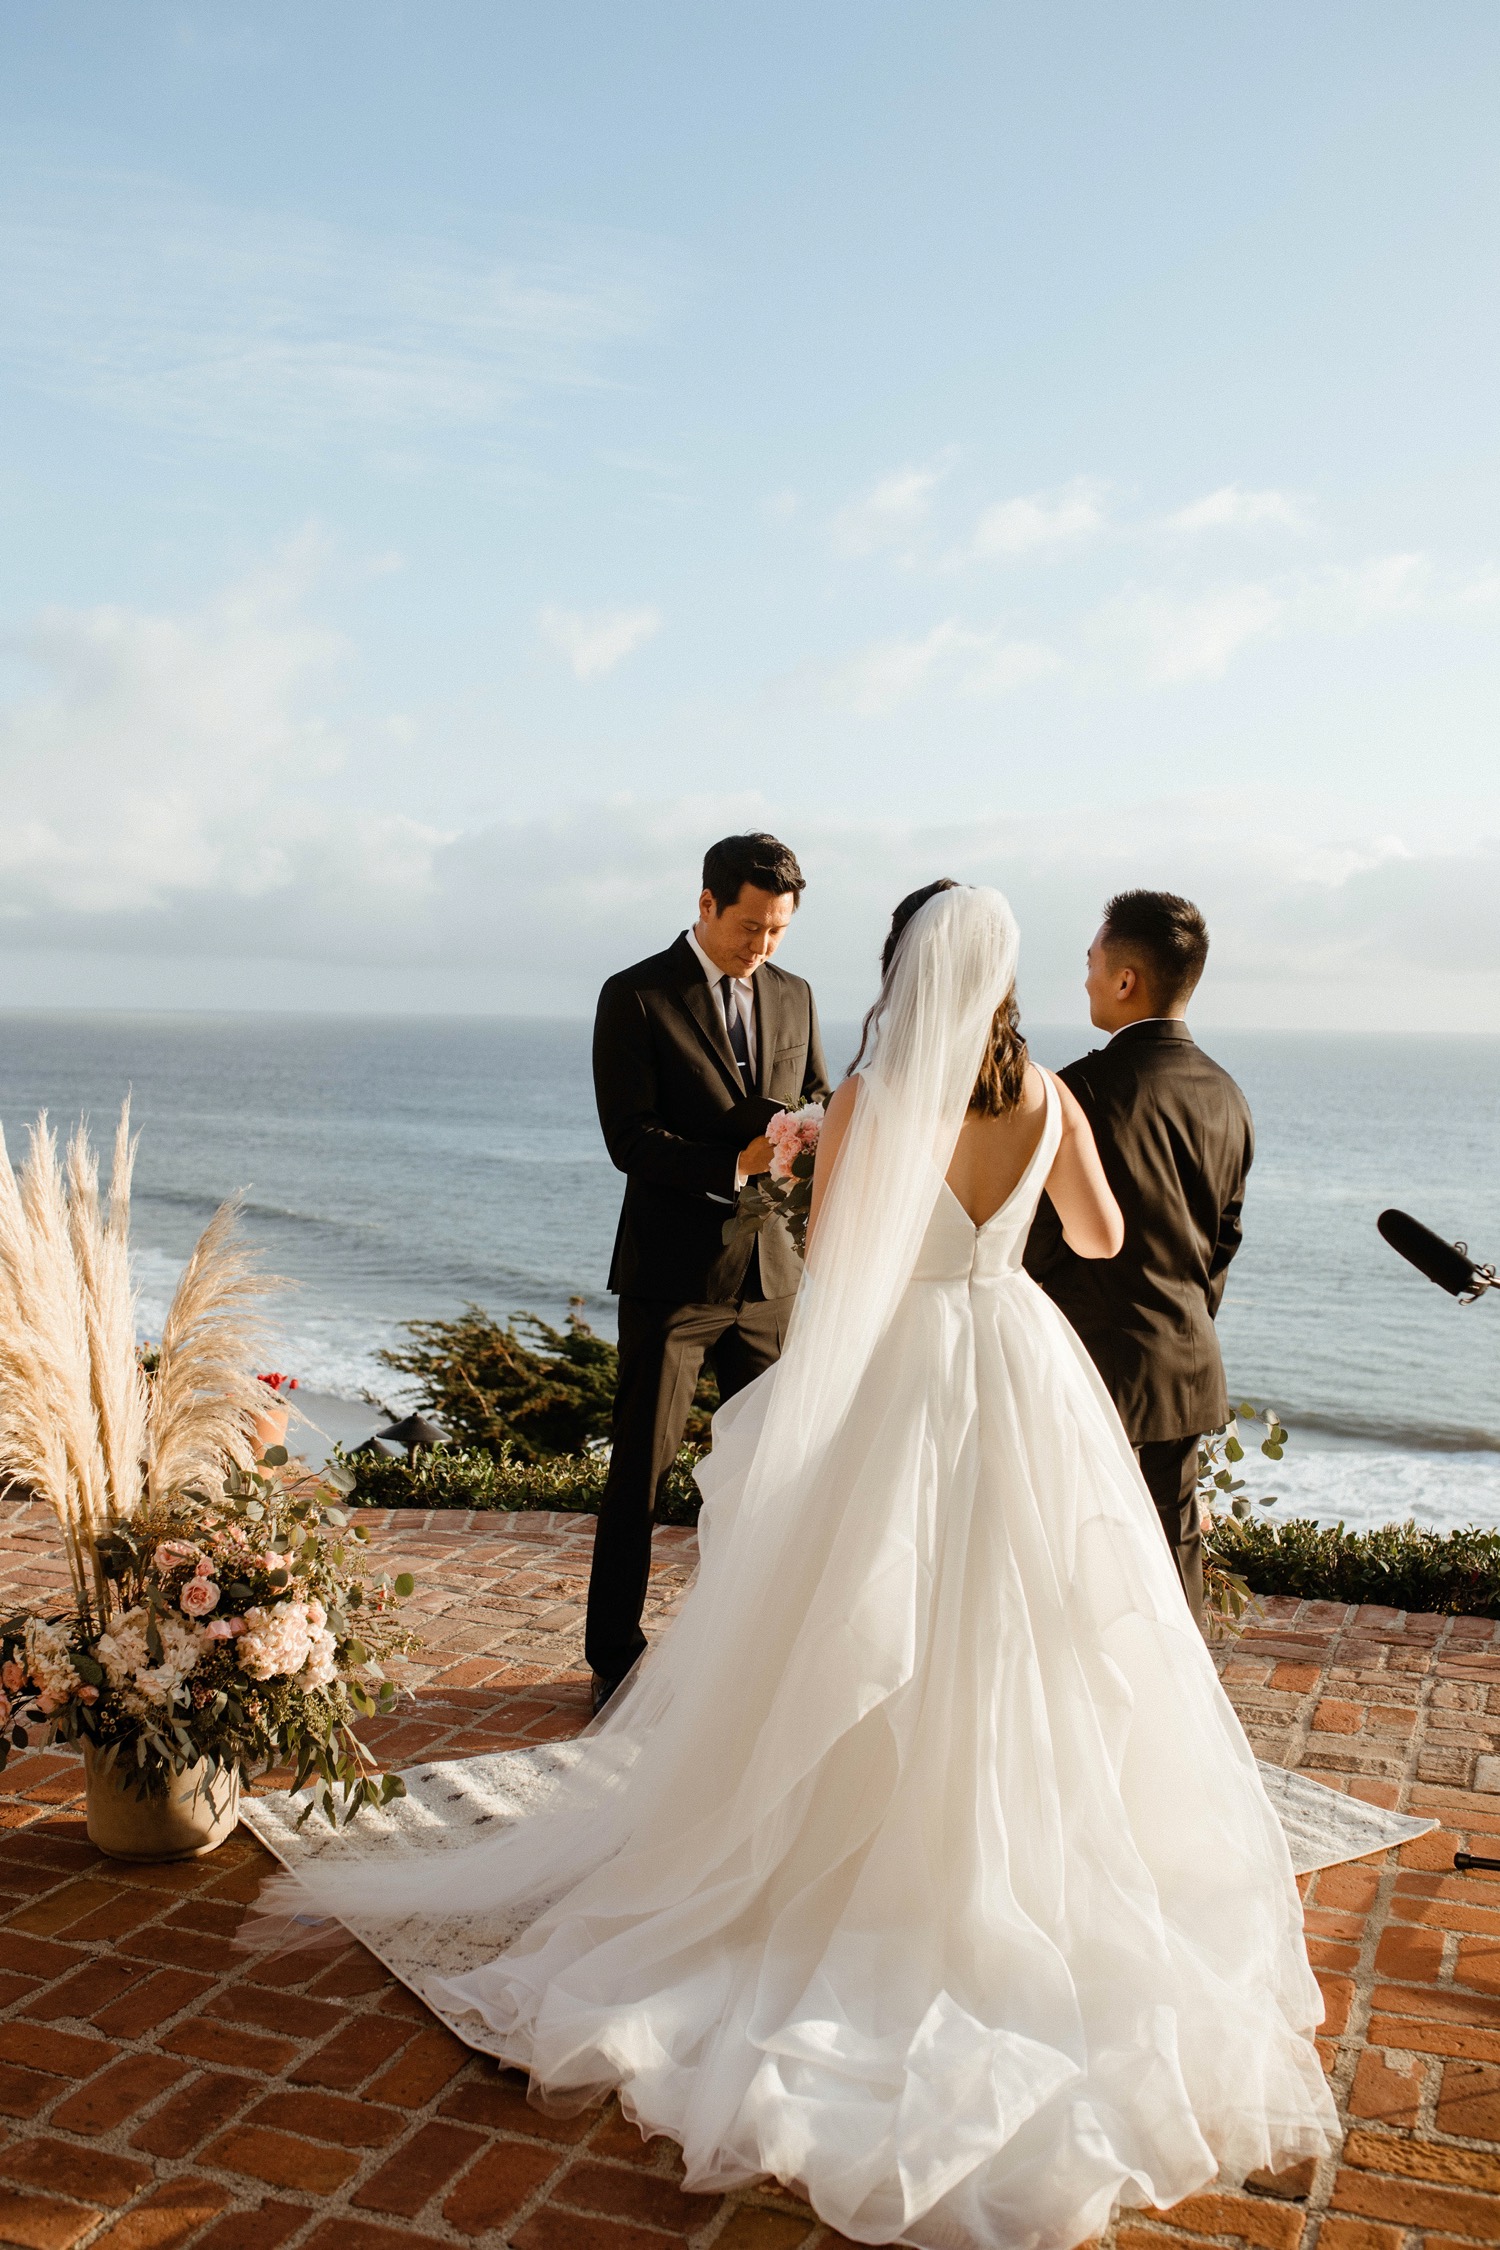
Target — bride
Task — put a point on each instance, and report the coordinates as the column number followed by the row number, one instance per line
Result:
column 922, row 1864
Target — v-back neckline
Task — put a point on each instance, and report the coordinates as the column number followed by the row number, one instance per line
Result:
column 979, row 1225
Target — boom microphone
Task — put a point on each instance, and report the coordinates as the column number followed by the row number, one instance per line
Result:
column 1446, row 1263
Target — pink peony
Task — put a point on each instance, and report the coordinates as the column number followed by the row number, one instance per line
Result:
column 198, row 1597
column 13, row 1675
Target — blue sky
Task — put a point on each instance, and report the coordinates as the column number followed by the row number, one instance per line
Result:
column 458, row 459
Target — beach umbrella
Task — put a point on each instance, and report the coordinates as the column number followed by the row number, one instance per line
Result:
column 413, row 1433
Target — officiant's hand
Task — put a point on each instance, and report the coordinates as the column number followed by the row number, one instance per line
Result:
column 755, row 1158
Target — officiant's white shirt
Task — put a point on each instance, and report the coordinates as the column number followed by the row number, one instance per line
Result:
column 743, row 993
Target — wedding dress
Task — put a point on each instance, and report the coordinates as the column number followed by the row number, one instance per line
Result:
column 923, row 1864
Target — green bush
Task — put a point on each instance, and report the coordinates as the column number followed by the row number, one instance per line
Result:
column 496, row 1392
column 1452, row 1573
column 451, row 1476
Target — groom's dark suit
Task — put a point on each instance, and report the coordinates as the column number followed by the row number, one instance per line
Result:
column 676, row 1112
column 1176, row 1141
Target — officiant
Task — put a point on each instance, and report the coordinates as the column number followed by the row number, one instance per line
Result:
column 695, row 1050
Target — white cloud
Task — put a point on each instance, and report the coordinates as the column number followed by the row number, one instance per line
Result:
column 1041, row 520
column 892, row 511
column 157, row 760
column 975, row 663
column 594, row 644
column 1233, row 509
column 1190, row 637
column 269, row 328
column 1172, row 637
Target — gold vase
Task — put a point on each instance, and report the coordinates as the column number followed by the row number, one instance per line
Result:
column 193, row 1817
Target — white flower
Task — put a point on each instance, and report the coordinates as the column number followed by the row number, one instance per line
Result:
column 140, row 1684
column 275, row 1642
column 321, row 1669
column 49, row 1660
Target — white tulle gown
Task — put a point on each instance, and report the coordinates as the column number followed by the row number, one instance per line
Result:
column 1018, row 1939
column 922, row 1864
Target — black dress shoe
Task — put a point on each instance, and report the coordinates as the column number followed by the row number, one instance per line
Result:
column 603, row 1690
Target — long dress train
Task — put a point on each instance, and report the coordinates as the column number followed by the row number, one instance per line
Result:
column 925, row 1866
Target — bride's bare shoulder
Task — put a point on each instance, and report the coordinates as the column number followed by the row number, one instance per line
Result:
column 841, row 1104
column 1034, row 1089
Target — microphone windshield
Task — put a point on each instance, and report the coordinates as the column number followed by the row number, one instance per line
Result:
column 1443, row 1262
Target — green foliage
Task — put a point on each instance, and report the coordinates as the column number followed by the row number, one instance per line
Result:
column 1222, row 1497
column 525, row 1391
column 1453, row 1573
column 450, row 1476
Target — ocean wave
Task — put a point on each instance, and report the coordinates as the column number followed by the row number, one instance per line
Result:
column 204, row 1206
column 1402, row 1436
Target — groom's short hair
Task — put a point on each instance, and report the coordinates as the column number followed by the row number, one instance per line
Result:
column 1168, row 937
column 759, row 859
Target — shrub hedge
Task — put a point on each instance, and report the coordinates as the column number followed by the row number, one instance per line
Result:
column 453, row 1476
column 1449, row 1573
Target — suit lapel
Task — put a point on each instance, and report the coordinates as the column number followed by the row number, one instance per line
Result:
column 768, row 1024
column 703, row 1011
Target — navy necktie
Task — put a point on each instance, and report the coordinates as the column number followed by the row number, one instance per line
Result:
column 735, row 1023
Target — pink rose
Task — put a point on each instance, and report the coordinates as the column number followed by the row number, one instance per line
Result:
column 225, row 1628
column 793, row 1133
column 4, row 1710
column 47, row 1704
column 88, row 1695
column 198, row 1597
column 171, row 1552
column 13, row 1675
column 205, row 1567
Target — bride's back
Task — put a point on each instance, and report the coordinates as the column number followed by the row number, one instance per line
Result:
column 993, row 1152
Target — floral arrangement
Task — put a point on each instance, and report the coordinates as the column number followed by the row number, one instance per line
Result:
column 1221, row 1494
column 785, row 1191
column 219, row 1615
column 240, row 1633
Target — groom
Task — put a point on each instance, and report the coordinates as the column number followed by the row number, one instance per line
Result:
column 1176, row 1141
column 695, row 1051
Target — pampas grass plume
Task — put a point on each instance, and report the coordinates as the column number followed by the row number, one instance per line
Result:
column 81, row 1427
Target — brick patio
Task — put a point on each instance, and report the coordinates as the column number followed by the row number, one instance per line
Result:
column 158, row 2091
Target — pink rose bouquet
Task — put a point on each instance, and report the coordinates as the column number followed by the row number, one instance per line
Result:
column 783, row 1193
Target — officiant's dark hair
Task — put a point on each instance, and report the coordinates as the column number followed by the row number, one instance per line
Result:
column 1002, row 1074
column 759, row 859
column 1167, row 934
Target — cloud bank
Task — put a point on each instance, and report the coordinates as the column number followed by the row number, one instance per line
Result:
column 177, row 793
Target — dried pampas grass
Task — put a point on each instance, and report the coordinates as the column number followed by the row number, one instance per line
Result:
column 205, row 1396
column 81, row 1426
column 49, row 1431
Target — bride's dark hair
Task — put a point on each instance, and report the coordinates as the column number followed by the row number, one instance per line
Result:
column 1002, row 1074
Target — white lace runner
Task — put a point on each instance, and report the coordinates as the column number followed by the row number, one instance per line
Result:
column 452, row 1803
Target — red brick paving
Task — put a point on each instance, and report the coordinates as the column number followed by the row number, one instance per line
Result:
column 160, row 2093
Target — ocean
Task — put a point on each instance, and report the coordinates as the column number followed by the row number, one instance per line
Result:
column 394, row 1169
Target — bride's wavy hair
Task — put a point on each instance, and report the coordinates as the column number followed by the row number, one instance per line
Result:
column 1002, row 1074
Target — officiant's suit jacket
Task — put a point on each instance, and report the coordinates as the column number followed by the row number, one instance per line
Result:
column 676, row 1114
column 1176, row 1141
